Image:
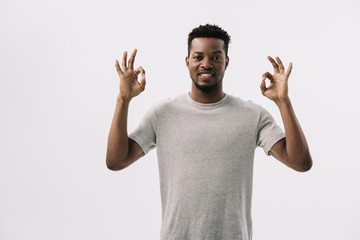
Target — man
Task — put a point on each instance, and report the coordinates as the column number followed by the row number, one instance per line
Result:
column 206, row 140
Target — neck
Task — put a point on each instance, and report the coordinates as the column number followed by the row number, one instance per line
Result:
column 207, row 97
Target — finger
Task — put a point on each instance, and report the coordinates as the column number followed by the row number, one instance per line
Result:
column 289, row 70
column 140, row 70
column 276, row 67
column 117, row 66
column 269, row 76
column 281, row 66
column 142, row 82
column 263, row 85
column 132, row 59
column 123, row 64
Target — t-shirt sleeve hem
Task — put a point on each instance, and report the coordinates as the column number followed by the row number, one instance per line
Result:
column 141, row 142
column 272, row 142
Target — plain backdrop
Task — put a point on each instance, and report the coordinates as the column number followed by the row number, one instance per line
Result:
column 58, row 89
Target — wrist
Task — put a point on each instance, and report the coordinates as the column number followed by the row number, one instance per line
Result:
column 283, row 101
column 123, row 100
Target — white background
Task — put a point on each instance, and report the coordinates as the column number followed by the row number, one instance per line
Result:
column 58, row 88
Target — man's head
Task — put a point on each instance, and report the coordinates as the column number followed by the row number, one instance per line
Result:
column 207, row 57
column 209, row 31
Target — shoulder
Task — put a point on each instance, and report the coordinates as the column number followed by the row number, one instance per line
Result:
column 245, row 105
column 167, row 104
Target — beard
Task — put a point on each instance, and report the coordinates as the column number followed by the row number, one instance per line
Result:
column 206, row 89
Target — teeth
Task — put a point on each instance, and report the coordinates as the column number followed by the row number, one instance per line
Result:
column 206, row 74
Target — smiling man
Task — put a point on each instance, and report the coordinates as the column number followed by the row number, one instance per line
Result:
column 207, row 73
column 206, row 140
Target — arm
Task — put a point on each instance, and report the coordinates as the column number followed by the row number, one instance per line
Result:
column 293, row 150
column 121, row 150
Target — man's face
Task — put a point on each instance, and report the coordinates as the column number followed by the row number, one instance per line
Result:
column 207, row 63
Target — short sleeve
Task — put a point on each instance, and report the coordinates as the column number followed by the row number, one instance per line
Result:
column 145, row 133
column 269, row 132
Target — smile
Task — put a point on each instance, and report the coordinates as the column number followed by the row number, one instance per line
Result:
column 206, row 74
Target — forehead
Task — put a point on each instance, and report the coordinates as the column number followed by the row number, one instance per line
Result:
column 207, row 45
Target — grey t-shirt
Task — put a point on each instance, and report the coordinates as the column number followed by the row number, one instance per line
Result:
column 205, row 158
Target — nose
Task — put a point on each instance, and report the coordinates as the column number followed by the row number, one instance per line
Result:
column 206, row 63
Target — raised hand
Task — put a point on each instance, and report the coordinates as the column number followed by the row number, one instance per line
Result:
column 129, row 85
column 278, row 88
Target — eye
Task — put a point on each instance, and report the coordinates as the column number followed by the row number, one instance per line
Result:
column 198, row 57
column 217, row 58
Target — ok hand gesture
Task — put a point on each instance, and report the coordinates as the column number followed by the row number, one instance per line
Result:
column 278, row 88
column 129, row 85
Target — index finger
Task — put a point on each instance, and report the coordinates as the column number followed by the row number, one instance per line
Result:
column 276, row 67
column 132, row 59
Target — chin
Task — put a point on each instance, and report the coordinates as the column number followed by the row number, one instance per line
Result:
column 207, row 88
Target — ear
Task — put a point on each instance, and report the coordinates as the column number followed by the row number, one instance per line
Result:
column 227, row 62
column 187, row 61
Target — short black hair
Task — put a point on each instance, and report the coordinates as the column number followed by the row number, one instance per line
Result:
column 209, row 31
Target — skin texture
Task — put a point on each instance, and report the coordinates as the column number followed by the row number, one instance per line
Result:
column 207, row 55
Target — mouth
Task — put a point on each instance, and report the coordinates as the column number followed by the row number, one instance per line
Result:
column 206, row 75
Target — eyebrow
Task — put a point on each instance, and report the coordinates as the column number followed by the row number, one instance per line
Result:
column 218, row 51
